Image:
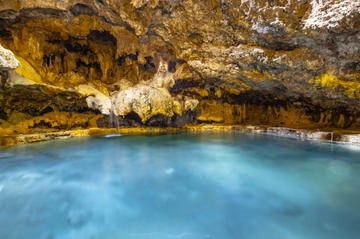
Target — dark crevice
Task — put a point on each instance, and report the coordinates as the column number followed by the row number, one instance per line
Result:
column 82, row 9
column 3, row 115
column 133, row 120
column 76, row 47
column 71, row 45
column 104, row 36
column 139, row 10
column 149, row 65
column 6, row 35
column 158, row 121
column 181, row 84
column 152, row 33
column 180, row 61
column 275, row 45
column 48, row 109
column 100, row 2
column 163, row 10
column 4, row 75
column 95, row 65
column 49, row 60
column 172, row 66
column 121, row 60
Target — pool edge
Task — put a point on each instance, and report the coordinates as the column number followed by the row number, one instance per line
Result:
column 334, row 136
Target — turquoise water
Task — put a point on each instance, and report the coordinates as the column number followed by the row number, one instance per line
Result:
column 221, row 186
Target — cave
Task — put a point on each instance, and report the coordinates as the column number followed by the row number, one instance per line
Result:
column 179, row 119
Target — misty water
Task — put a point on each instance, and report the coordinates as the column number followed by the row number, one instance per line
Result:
column 221, row 186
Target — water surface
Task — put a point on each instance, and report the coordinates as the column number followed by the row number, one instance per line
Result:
column 221, row 186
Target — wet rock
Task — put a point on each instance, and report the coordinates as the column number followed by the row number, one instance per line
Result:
column 133, row 120
column 159, row 120
column 187, row 117
column 351, row 139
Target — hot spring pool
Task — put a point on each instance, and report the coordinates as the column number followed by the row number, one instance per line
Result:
column 187, row 186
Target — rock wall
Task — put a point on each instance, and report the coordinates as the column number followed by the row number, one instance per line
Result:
column 171, row 62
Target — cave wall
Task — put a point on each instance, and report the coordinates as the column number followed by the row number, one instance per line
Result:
column 276, row 62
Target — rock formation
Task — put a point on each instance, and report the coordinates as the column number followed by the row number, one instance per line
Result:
column 171, row 62
column 7, row 60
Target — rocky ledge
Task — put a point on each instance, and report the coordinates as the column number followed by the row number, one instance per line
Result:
column 344, row 137
column 340, row 137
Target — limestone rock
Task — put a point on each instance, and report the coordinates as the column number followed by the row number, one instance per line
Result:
column 185, row 103
column 16, row 79
column 146, row 101
column 190, row 104
column 95, row 99
column 332, row 14
column 8, row 60
column 141, row 3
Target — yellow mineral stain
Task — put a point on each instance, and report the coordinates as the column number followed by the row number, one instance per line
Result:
column 27, row 71
column 200, row 92
column 350, row 87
